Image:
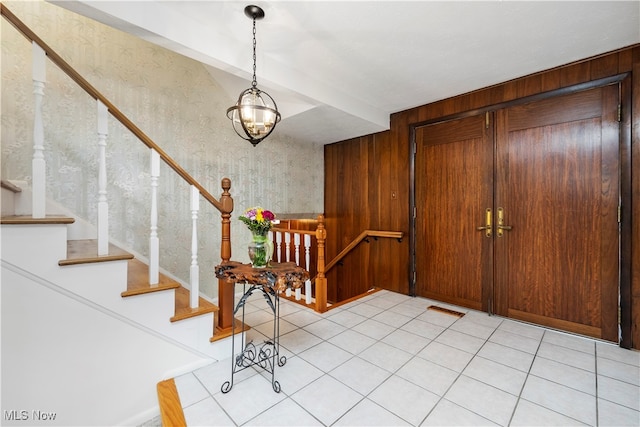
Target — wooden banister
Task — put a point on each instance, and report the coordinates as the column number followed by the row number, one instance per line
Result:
column 362, row 236
column 115, row 112
column 320, row 279
column 224, row 205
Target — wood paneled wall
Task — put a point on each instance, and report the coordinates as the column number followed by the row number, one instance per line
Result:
column 368, row 181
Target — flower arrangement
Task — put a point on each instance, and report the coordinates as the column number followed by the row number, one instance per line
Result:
column 258, row 220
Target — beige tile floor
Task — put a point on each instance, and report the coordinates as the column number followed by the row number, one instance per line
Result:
column 385, row 360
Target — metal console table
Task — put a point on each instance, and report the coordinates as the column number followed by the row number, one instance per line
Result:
column 270, row 281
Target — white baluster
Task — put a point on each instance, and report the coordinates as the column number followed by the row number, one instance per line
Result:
column 38, row 164
column 154, row 241
column 103, row 206
column 279, row 244
column 287, row 292
column 287, row 245
column 296, row 243
column 194, row 272
column 307, row 257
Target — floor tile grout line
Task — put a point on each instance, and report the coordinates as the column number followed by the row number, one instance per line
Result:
column 430, row 340
column 214, row 399
column 595, row 369
column 351, row 357
column 524, row 383
column 457, row 377
column 366, row 396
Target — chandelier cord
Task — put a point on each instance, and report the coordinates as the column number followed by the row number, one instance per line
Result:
column 254, row 83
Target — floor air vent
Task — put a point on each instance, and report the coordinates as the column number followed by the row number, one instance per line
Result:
column 445, row 310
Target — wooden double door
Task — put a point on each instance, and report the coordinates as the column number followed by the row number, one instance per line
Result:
column 516, row 211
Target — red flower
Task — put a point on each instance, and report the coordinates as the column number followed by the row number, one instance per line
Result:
column 268, row 215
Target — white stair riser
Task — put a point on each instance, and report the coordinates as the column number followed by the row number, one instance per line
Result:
column 101, row 280
column 36, row 248
column 103, row 284
column 20, row 204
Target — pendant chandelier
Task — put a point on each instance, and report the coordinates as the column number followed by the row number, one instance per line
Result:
column 255, row 115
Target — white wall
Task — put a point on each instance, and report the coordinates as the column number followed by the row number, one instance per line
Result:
column 171, row 98
column 85, row 365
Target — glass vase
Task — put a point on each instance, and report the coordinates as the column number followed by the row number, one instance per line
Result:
column 260, row 250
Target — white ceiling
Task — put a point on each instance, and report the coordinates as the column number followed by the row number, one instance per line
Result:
column 338, row 69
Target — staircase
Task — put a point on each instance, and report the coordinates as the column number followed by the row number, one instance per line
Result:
column 56, row 253
column 43, row 248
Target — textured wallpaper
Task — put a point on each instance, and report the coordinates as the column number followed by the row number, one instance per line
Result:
column 172, row 99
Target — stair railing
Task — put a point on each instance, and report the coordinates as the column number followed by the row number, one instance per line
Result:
column 363, row 237
column 224, row 205
column 300, row 242
column 303, row 243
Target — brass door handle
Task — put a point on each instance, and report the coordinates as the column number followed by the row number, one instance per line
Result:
column 501, row 227
column 487, row 221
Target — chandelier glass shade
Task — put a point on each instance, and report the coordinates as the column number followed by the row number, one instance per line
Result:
column 255, row 115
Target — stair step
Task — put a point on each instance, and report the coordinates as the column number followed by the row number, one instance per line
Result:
column 138, row 280
column 86, row 251
column 170, row 406
column 183, row 306
column 138, row 283
column 27, row 220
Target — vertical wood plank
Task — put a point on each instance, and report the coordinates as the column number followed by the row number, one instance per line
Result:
column 550, row 80
column 604, row 66
column 575, row 74
column 635, row 208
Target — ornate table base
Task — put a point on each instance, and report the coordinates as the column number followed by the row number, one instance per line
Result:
column 268, row 354
column 270, row 281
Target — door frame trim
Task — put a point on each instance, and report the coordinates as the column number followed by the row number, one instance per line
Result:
column 624, row 82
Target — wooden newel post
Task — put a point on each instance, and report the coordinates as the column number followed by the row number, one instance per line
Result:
column 225, row 292
column 321, row 281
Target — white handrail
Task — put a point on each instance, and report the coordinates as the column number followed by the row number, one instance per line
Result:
column 38, row 163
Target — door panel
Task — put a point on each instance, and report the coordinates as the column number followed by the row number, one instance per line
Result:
column 454, row 174
column 557, row 180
